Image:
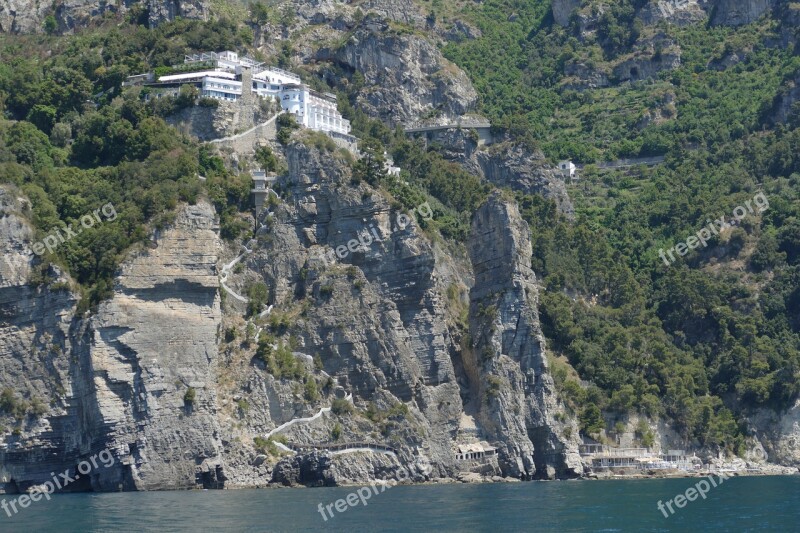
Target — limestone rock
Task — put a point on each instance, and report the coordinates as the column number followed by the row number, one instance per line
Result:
column 518, row 400
column 739, row 12
column 35, row 363
column 678, row 12
column 148, row 345
column 786, row 106
column 28, row 16
column 406, row 77
column 505, row 164
column 563, row 9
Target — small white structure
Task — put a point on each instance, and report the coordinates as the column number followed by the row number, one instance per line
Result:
column 567, row 168
column 388, row 166
column 474, row 451
column 261, row 190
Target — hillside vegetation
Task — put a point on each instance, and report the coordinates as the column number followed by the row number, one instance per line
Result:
column 702, row 341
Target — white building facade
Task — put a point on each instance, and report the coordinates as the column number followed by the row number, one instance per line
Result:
column 219, row 76
column 567, row 168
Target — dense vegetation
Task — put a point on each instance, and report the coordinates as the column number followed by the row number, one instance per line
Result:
column 702, row 341
column 73, row 142
column 717, row 332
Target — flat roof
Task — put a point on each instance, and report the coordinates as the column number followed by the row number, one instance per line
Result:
column 197, row 74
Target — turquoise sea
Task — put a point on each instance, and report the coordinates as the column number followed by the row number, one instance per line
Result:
column 739, row 504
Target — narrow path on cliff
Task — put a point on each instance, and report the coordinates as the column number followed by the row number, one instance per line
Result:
column 247, row 132
column 364, row 449
column 224, row 276
column 294, row 421
column 345, row 448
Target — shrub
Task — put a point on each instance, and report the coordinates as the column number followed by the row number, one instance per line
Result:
column 208, row 102
column 341, row 407
column 267, row 446
column 38, row 407
column 310, row 392
column 190, row 395
column 257, row 295
column 493, row 386
column 280, row 362
column 266, row 158
column 10, row 404
column 50, row 24
column 279, row 322
column 326, row 289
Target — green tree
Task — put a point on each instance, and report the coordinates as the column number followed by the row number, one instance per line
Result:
column 50, row 25
column 591, row 419
column 43, row 117
column 370, row 167
column 266, row 158
column 257, row 295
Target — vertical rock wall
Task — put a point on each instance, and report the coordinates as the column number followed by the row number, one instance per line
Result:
column 518, row 399
column 146, row 347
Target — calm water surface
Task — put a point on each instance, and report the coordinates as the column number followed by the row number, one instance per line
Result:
column 739, row 504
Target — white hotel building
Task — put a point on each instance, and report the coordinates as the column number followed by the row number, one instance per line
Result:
column 222, row 75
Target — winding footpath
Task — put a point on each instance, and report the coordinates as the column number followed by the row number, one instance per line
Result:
column 224, row 276
column 294, row 421
column 223, row 140
column 345, row 447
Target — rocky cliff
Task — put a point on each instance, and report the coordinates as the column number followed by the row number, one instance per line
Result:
column 36, row 369
column 117, row 380
column 377, row 338
column 405, row 77
column 682, row 12
column 515, row 392
column 28, row 16
column 146, row 348
column 504, row 163
column 376, row 318
column 739, row 12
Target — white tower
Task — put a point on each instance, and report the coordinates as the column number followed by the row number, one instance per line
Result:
column 260, row 189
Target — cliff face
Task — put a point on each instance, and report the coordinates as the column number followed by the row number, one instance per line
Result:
column 682, row 12
column 406, row 77
column 155, row 340
column 118, row 380
column 22, row 16
column 35, row 363
column 778, row 435
column 429, row 346
column 505, row 164
column 377, row 317
column 739, row 12
column 518, row 403
column 381, row 320
column 28, row 16
column 785, row 107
